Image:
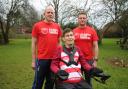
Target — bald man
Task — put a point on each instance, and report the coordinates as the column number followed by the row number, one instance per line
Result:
column 45, row 39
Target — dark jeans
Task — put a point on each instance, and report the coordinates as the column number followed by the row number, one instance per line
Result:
column 87, row 76
column 43, row 71
column 81, row 85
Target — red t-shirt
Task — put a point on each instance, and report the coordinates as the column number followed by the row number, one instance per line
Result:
column 47, row 35
column 84, row 38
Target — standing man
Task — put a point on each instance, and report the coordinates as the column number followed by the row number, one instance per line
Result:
column 45, row 39
column 87, row 40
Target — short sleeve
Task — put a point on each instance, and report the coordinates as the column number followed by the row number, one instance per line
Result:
column 35, row 31
column 60, row 31
column 95, row 36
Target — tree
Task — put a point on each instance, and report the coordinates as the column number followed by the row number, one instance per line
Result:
column 15, row 14
column 66, row 11
column 123, row 22
column 111, row 12
column 70, row 25
column 28, row 15
column 8, row 14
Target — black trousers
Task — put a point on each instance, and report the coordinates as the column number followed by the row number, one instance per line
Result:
column 86, row 74
column 80, row 85
column 43, row 72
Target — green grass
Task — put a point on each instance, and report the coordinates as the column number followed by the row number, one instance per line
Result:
column 16, row 72
column 119, row 75
column 15, row 65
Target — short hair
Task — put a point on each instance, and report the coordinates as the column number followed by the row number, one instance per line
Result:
column 82, row 13
column 49, row 6
column 66, row 30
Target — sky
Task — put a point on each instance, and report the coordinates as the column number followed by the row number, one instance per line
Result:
column 38, row 4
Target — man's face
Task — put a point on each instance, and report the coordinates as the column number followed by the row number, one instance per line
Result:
column 82, row 19
column 69, row 38
column 49, row 14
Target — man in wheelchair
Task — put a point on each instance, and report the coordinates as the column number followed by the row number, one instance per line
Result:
column 67, row 65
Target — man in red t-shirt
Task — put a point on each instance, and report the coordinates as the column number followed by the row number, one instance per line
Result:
column 87, row 40
column 45, row 39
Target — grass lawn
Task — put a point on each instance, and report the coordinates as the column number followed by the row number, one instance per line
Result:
column 16, row 72
column 110, row 50
column 15, row 65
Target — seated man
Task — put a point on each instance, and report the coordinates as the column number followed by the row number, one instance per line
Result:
column 67, row 64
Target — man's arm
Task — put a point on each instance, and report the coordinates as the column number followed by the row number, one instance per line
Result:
column 96, row 52
column 56, row 60
column 55, row 65
column 83, row 61
column 34, row 46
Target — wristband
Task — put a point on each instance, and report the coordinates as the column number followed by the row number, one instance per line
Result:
column 95, row 59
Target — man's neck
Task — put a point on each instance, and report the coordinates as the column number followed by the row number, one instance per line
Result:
column 68, row 46
column 46, row 21
column 82, row 26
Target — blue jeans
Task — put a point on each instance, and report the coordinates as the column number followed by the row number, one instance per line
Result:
column 43, row 71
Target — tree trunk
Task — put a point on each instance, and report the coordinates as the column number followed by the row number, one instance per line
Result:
column 4, row 39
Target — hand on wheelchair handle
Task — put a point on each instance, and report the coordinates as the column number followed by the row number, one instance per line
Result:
column 95, row 72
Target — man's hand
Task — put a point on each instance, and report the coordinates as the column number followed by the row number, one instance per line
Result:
column 95, row 72
column 33, row 65
column 63, row 75
column 94, row 64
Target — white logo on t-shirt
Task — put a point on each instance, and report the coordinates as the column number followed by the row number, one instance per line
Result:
column 44, row 30
column 53, row 31
column 85, row 36
column 50, row 31
column 82, row 36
